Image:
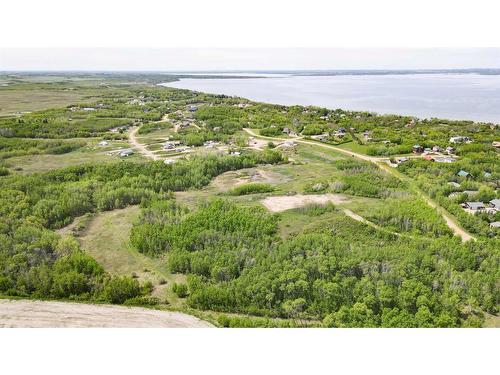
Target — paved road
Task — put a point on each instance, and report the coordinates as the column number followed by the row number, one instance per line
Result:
column 50, row 314
column 450, row 221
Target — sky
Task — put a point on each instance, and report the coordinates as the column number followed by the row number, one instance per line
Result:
column 242, row 35
column 217, row 59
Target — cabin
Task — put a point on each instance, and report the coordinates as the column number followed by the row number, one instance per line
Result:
column 417, row 149
column 320, row 137
column 460, row 139
column 464, row 174
column 445, row 159
column 495, row 204
column 450, row 150
column 474, row 206
column 125, row 153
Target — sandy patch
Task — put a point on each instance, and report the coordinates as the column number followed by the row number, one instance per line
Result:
column 285, row 202
column 48, row 314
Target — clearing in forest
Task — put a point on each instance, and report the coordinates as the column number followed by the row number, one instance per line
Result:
column 287, row 202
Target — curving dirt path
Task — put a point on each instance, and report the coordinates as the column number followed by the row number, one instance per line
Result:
column 49, row 314
column 139, row 146
column 450, row 221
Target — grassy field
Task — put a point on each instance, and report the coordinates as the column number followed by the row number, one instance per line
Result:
column 89, row 154
column 106, row 238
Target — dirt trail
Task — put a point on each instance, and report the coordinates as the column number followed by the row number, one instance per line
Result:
column 139, row 146
column 49, row 314
column 462, row 233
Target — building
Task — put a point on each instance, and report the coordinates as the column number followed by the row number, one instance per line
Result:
column 450, row 150
column 474, row 206
column 417, row 149
column 454, row 184
column 460, row 139
column 495, row 224
column 496, row 144
column 464, row 174
column 436, row 149
column 495, row 203
column 445, row 159
column 286, row 130
column 125, row 153
column 103, row 143
column 192, row 108
column 428, row 157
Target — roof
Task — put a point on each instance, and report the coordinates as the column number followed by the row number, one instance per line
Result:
column 475, row 205
column 463, row 174
column 495, row 202
column 495, row 224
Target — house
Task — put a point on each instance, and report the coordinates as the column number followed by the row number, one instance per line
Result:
column 436, row 149
column 463, row 173
column 495, row 224
column 460, row 139
column 495, row 203
column 487, row 174
column 454, row 184
column 286, row 130
column 496, row 144
column 417, row 149
column 88, row 109
column 125, row 153
column 386, row 142
column 474, row 206
column 450, row 150
column 169, row 161
column 445, row 159
column 428, row 157
column 320, row 137
column 288, row 144
column 103, row 143
column 235, row 153
column 192, row 108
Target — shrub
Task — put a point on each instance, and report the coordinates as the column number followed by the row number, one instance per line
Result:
column 119, row 289
column 252, row 188
column 180, row 289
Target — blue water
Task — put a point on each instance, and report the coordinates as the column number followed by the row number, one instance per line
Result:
column 452, row 96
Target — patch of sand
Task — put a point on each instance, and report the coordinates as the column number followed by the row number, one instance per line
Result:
column 285, row 202
column 49, row 314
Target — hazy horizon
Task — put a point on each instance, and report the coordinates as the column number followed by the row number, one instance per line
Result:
column 171, row 60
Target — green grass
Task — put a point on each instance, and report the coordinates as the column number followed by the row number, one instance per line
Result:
column 43, row 163
column 106, row 238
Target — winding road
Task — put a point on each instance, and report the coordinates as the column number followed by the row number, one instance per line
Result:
column 448, row 218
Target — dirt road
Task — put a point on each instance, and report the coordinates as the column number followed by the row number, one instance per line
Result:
column 48, row 314
column 452, row 224
column 139, row 146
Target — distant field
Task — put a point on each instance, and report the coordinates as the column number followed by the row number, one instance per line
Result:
column 15, row 101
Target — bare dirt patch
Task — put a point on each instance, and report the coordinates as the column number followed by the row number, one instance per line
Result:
column 48, row 314
column 285, row 202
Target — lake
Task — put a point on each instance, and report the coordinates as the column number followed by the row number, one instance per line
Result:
column 452, row 96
